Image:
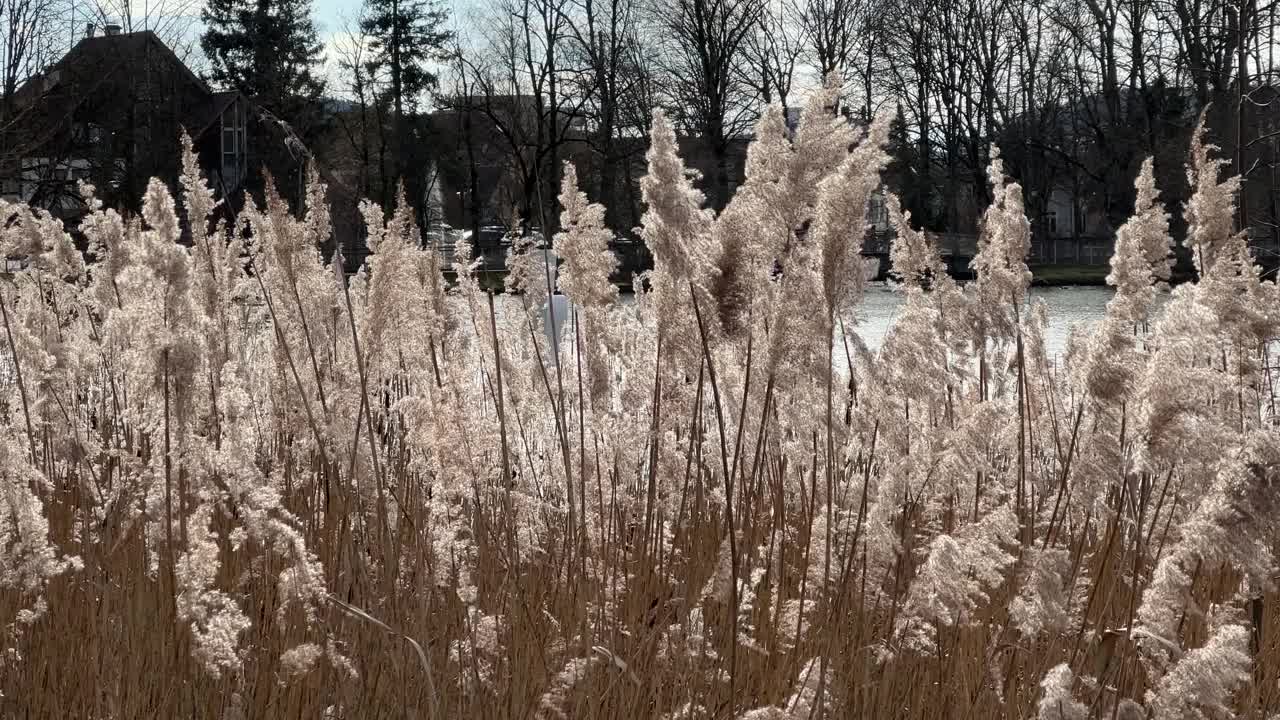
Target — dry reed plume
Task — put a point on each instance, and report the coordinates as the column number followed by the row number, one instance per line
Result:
column 237, row 485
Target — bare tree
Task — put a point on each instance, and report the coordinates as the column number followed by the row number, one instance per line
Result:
column 363, row 132
column 705, row 44
column 461, row 107
column 603, row 34
column 831, row 29
column 848, row 37
column 173, row 21
column 773, row 51
column 911, row 79
column 29, row 36
column 1032, row 109
column 519, row 88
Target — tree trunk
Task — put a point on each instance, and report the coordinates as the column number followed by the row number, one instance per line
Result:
column 1242, row 88
column 397, row 92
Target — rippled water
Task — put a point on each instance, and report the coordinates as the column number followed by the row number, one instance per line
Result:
column 1068, row 306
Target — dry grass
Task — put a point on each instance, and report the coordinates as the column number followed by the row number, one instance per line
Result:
column 727, row 517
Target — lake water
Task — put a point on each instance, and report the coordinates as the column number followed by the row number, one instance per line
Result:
column 1068, row 306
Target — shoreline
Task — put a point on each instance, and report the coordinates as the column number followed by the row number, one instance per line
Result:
column 1069, row 275
column 1041, row 276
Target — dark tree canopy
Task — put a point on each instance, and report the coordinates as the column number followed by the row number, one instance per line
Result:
column 405, row 36
column 268, row 50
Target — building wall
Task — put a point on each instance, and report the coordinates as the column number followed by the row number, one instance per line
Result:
column 1061, row 216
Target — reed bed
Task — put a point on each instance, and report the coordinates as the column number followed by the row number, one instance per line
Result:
column 238, row 485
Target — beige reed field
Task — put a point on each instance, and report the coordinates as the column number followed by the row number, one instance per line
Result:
column 238, row 484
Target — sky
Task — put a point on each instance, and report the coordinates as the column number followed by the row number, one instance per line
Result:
column 334, row 17
column 331, row 14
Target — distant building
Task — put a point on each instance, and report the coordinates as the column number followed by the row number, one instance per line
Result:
column 1071, row 229
column 110, row 113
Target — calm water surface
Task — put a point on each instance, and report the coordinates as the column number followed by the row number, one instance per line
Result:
column 1068, row 306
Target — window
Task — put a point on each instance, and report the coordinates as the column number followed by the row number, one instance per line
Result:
column 233, row 145
column 1051, row 222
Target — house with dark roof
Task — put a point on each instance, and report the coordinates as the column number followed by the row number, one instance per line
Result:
column 110, row 113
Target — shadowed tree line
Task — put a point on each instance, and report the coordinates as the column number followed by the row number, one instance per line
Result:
column 476, row 113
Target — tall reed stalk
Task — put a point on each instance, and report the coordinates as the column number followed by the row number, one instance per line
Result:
column 693, row 504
